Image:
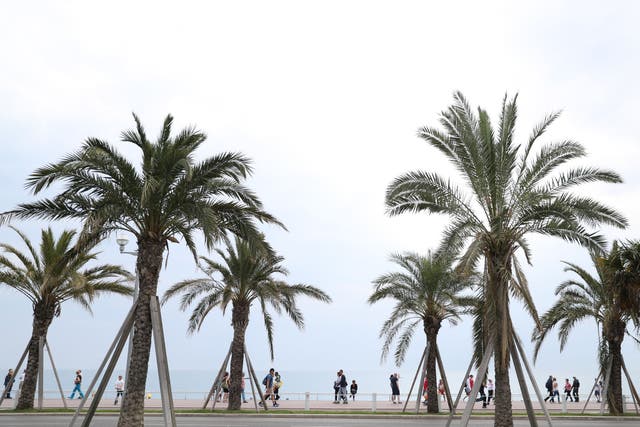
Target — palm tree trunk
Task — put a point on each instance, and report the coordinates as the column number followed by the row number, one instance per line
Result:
column 149, row 263
column 431, row 331
column 614, row 388
column 240, row 321
column 498, row 272
column 42, row 318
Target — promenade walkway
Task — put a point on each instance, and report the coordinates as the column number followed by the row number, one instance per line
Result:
column 327, row 405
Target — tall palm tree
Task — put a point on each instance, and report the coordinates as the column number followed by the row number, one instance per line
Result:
column 169, row 196
column 513, row 191
column 247, row 275
column 48, row 277
column 426, row 293
column 593, row 297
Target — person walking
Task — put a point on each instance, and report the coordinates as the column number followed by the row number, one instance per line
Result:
column 336, row 387
column 576, row 388
column 567, row 390
column 342, row 384
column 490, row 390
column 468, row 387
column 441, row 389
column 353, row 390
column 119, row 389
column 395, row 388
column 425, row 387
column 268, row 391
column 597, row 388
column 242, row 395
column 549, row 386
column 277, row 383
column 556, row 392
column 226, row 380
column 8, row 381
column 483, row 396
column 77, row 382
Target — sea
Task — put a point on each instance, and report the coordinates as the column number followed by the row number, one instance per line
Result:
column 196, row 383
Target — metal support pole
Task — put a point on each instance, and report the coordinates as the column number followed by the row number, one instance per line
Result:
column 136, row 290
column 591, row 393
column 127, row 325
column 374, row 398
column 216, row 381
column 482, row 371
column 163, row 363
column 255, row 378
column 523, row 356
column 253, row 387
column 605, row 388
column 413, row 383
column 40, row 371
column 15, row 372
column 464, row 382
column 306, row 401
column 86, row 422
column 55, row 374
column 444, row 379
column 632, row 388
column 423, row 371
column 523, row 387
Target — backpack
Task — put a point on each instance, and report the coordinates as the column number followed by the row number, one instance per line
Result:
column 264, row 381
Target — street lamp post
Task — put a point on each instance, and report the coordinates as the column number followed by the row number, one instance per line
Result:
column 122, row 243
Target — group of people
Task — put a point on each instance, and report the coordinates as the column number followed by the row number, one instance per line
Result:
column 272, row 383
column 340, row 389
column 571, row 390
column 77, row 384
column 425, row 388
column 486, row 391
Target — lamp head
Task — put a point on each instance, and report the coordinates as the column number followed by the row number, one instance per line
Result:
column 122, row 242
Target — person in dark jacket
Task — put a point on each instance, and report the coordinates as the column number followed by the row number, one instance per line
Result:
column 354, row 389
column 395, row 388
column 342, row 383
column 576, row 387
column 9, row 381
column 549, row 386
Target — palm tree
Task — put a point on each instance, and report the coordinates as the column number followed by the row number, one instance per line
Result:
column 248, row 274
column 56, row 273
column 514, row 192
column 598, row 298
column 426, row 293
column 170, row 196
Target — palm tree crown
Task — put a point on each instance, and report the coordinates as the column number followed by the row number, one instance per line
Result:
column 514, row 191
column 247, row 274
column 48, row 277
column 426, row 294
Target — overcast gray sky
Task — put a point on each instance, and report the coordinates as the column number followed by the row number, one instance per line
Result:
column 326, row 98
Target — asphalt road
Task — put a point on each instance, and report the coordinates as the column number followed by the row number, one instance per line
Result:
column 269, row 421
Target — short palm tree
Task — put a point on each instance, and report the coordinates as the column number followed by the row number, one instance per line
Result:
column 170, row 196
column 513, row 191
column 56, row 273
column 598, row 298
column 426, row 293
column 247, row 275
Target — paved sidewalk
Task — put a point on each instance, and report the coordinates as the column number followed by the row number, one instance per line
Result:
column 324, row 405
